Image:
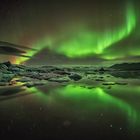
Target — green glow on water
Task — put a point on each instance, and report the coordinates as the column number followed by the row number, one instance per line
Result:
column 95, row 100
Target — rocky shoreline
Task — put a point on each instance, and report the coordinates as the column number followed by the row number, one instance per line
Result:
column 13, row 74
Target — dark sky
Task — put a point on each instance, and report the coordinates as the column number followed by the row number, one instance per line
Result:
column 72, row 32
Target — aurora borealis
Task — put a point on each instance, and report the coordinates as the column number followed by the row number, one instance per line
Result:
column 70, row 69
column 85, row 43
column 85, row 32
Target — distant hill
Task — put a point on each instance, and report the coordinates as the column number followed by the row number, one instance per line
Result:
column 126, row 66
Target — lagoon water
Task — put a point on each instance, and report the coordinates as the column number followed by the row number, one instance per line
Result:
column 108, row 107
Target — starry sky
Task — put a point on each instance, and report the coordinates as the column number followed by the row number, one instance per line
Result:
column 72, row 32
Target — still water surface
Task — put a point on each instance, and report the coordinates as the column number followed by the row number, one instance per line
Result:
column 87, row 109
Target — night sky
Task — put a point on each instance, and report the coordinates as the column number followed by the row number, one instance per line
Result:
column 72, row 32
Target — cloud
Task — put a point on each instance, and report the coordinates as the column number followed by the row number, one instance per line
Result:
column 7, row 48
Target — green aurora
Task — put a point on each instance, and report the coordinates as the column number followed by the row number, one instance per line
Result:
column 87, row 43
column 81, row 42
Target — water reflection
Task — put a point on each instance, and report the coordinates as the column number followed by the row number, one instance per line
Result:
column 88, row 102
column 7, row 93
